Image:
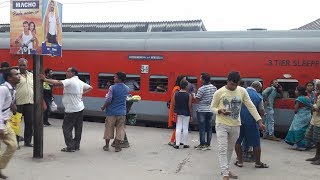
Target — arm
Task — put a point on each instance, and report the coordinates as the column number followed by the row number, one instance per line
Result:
column 51, row 81
column 58, row 26
column 18, row 39
column 316, row 106
column 198, row 96
column 174, row 101
column 108, row 99
column 46, row 26
column 86, row 88
column 296, row 107
column 261, row 110
column 215, row 103
column 190, row 107
column 2, row 95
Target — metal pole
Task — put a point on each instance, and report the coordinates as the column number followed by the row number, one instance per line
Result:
column 38, row 107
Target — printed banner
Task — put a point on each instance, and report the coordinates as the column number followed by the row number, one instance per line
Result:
column 52, row 28
column 36, row 27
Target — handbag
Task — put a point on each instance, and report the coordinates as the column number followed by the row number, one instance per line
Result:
column 15, row 122
column 53, row 106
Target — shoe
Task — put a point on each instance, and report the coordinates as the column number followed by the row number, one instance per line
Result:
column 185, row 146
column 106, row 148
column 67, row 150
column 313, row 159
column 199, row 147
column 317, row 162
column 20, row 139
column 77, row 149
column 208, row 147
column 175, row 146
column 28, row 145
column 273, row 138
column 2, row 176
column 171, row 143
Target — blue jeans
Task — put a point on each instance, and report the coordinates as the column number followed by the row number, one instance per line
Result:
column 205, row 125
column 269, row 121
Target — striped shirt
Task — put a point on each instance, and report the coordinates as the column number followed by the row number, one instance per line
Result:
column 205, row 95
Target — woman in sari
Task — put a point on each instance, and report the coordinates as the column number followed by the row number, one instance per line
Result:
column 172, row 117
column 301, row 120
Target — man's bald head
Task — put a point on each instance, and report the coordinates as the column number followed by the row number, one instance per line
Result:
column 257, row 85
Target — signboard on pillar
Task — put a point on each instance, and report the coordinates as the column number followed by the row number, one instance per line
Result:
column 36, row 27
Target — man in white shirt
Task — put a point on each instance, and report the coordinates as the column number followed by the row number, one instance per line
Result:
column 73, row 90
column 7, row 135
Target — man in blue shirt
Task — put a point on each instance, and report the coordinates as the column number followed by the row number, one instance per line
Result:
column 269, row 95
column 115, row 107
column 4, row 65
column 249, row 130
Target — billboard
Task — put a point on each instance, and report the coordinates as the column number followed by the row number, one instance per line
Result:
column 36, row 27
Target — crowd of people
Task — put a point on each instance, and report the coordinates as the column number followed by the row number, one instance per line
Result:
column 238, row 112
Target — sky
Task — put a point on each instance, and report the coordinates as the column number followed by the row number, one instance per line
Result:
column 217, row 15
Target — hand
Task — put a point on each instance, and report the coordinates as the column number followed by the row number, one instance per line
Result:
column 103, row 108
column 1, row 133
column 191, row 119
column 42, row 77
column 261, row 125
column 224, row 112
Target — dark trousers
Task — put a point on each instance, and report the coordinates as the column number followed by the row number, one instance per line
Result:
column 205, row 126
column 27, row 112
column 46, row 113
column 70, row 121
column 52, row 38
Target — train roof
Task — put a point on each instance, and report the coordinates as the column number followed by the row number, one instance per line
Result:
column 277, row 41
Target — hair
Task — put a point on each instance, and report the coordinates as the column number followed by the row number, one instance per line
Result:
column 25, row 22
column 52, row 1
column 178, row 80
column 184, row 84
column 301, row 90
column 22, row 59
column 74, row 71
column 7, row 73
column 5, row 64
column 206, row 77
column 256, row 84
column 234, row 76
column 122, row 76
column 310, row 82
column 47, row 71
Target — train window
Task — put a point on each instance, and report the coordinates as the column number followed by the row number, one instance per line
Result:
column 289, row 87
column 193, row 83
column 218, row 81
column 133, row 82
column 246, row 82
column 85, row 77
column 158, row 83
column 58, row 75
column 105, row 80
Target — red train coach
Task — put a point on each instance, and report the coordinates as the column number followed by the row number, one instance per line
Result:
column 154, row 60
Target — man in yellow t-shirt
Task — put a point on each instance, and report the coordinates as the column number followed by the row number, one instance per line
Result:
column 226, row 104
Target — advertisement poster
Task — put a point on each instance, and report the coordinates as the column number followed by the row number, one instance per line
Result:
column 36, row 27
column 52, row 28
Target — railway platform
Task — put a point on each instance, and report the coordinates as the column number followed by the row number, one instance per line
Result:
column 148, row 157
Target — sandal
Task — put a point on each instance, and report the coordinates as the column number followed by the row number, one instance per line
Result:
column 67, row 150
column 261, row 165
column 238, row 164
column 105, row 148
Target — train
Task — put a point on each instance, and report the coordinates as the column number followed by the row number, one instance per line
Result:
column 154, row 59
